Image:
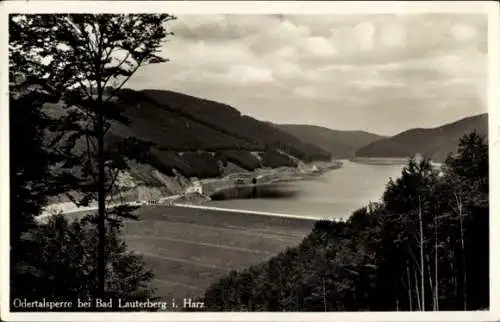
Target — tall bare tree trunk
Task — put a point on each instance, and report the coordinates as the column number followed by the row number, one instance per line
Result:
column 324, row 294
column 422, row 265
column 431, row 284
column 458, row 198
column 410, row 293
column 101, row 194
column 452, row 274
column 436, row 266
column 418, row 293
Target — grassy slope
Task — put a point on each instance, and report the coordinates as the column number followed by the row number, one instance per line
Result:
column 341, row 144
column 434, row 143
column 189, row 249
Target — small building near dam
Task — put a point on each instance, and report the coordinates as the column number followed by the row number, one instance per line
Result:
column 196, row 187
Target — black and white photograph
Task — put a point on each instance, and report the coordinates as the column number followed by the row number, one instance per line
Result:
column 285, row 161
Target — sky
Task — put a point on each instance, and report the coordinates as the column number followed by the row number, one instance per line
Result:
column 378, row 73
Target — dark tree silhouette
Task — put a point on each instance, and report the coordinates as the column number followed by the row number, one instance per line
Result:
column 423, row 247
column 80, row 61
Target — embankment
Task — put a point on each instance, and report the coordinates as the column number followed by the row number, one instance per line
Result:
column 189, row 249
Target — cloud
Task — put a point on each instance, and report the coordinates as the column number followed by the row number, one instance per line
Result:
column 248, row 75
column 284, row 71
column 305, row 68
column 319, row 46
column 392, row 36
column 221, row 27
column 363, row 32
column 376, row 83
column 463, row 32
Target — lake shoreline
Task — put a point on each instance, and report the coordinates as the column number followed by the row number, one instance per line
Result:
column 200, row 191
column 330, row 195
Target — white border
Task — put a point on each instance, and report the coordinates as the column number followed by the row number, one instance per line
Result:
column 250, row 7
column 258, row 7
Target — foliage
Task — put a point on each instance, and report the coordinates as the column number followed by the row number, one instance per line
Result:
column 89, row 57
column 274, row 159
column 423, row 247
column 30, row 182
column 81, row 61
column 190, row 164
column 241, row 158
column 62, row 257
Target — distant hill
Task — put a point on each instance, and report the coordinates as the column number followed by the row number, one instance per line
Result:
column 435, row 143
column 341, row 144
column 199, row 138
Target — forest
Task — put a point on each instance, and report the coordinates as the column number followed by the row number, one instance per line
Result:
column 424, row 246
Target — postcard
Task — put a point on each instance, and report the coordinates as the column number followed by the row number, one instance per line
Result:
column 249, row 161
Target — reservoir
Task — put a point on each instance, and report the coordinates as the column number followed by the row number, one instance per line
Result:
column 334, row 194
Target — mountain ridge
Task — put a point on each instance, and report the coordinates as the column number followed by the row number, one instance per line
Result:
column 340, row 143
column 434, row 142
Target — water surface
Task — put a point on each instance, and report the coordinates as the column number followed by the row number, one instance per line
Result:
column 335, row 194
